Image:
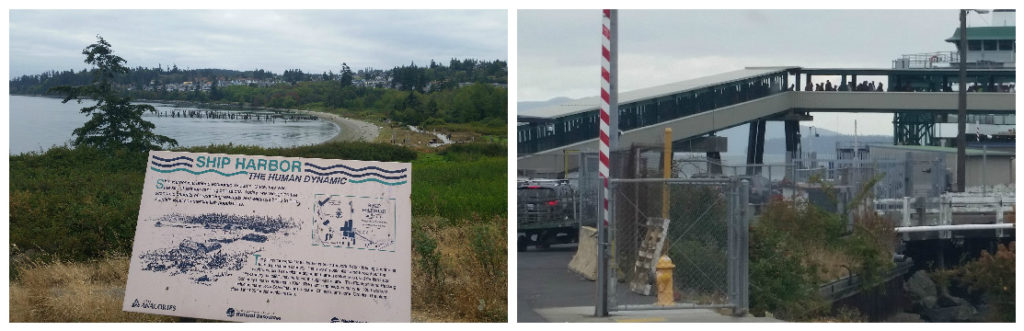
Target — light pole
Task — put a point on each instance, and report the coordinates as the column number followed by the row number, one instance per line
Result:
column 961, row 113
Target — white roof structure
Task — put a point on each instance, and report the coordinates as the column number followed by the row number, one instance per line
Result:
column 592, row 103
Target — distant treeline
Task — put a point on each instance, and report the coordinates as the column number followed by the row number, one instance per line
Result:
column 473, row 103
column 435, row 76
column 464, row 91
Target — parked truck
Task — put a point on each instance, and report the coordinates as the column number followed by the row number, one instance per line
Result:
column 546, row 213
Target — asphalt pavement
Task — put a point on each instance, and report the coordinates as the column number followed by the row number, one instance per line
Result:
column 544, row 281
column 549, row 292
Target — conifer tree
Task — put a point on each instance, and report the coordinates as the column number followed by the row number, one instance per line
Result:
column 114, row 122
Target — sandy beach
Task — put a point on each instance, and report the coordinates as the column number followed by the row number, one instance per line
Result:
column 351, row 129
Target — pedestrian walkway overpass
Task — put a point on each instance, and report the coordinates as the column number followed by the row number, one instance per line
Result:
column 702, row 106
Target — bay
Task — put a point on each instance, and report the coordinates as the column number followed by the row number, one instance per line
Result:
column 38, row 123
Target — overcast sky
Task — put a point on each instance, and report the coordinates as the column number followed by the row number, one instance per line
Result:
column 558, row 51
column 310, row 40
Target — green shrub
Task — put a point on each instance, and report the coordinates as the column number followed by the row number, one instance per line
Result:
column 428, row 259
column 75, row 204
column 995, row 276
column 871, row 245
column 473, row 151
column 488, row 254
column 780, row 282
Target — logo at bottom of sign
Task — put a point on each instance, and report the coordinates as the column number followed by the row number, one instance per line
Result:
column 241, row 313
column 335, row 319
column 146, row 304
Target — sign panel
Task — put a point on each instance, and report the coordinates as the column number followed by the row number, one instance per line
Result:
column 261, row 239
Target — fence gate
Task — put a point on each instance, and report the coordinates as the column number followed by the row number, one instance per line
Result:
column 705, row 235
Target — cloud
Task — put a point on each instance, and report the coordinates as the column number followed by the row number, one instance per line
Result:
column 314, row 41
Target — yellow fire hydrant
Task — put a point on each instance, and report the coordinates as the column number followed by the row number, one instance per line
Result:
column 664, row 279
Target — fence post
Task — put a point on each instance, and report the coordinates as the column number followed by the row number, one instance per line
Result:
column 906, row 217
column 667, row 165
column 984, row 169
column 612, row 263
column 946, row 216
column 732, row 265
column 743, row 286
column 999, row 216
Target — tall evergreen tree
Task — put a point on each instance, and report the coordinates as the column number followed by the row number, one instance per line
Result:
column 114, row 121
column 346, row 75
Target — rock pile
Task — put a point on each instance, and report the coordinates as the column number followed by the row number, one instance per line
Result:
column 935, row 304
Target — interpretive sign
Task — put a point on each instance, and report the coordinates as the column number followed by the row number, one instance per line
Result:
column 259, row 238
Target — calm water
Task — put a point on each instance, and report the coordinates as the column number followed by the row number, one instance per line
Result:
column 38, row 123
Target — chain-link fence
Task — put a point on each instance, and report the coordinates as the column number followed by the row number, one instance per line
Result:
column 704, row 234
column 589, row 189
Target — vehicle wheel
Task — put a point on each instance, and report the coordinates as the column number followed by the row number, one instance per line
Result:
column 521, row 245
column 543, row 241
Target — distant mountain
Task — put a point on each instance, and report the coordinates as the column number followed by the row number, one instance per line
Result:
column 775, row 140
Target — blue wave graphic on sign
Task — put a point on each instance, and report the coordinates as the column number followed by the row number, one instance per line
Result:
column 171, row 165
column 173, row 159
column 354, row 175
column 377, row 180
column 198, row 173
column 354, row 169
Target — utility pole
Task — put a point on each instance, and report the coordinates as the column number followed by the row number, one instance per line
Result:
column 961, row 111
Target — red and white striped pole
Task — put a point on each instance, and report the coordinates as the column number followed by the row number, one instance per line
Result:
column 606, row 85
column 609, row 138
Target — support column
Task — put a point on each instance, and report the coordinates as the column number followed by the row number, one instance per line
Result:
column 759, row 153
column 792, row 139
column 714, row 162
column 755, row 146
column 751, row 146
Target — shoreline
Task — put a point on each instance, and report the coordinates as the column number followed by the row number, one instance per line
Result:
column 351, row 129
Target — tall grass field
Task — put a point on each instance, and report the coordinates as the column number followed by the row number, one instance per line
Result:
column 73, row 215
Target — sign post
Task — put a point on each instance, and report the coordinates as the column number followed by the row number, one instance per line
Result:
column 261, row 239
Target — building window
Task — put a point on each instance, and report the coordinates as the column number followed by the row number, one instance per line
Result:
column 1006, row 45
column 990, row 45
column 974, row 45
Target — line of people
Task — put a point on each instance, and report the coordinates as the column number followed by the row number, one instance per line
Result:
column 863, row 86
column 870, row 86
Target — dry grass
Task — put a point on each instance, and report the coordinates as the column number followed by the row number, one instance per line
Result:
column 465, row 136
column 829, row 263
column 473, row 289
column 73, row 292
column 417, row 141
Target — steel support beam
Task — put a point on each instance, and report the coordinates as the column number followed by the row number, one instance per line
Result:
column 755, row 146
column 792, row 139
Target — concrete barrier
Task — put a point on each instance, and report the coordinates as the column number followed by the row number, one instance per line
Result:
column 585, row 260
